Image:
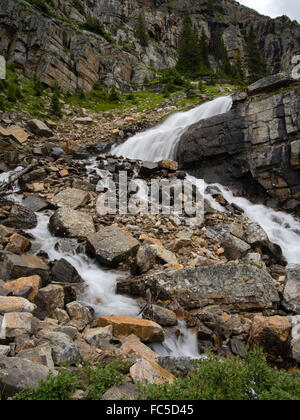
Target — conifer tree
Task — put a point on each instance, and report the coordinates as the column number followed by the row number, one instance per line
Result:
column 210, row 7
column 255, row 63
column 140, row 32
column 221, row 54
column 205, row 67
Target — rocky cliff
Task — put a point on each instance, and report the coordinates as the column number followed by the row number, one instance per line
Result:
column 256, row 143
column 49, row 42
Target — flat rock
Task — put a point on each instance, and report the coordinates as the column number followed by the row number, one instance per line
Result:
column 132, row 347
column 111, row 245
column 17, row 375
column 35, row 282
column 35, row 203
column 149, row 372
column 15, row 304
column 71, row 198
column 39, row 128
column 234, row 287
column 15, row 266
column 21, row 217
column 270, row 83
column 161, row 316
column 41, row 354
column 15, row 324
column 123, row 326
column 71, row 223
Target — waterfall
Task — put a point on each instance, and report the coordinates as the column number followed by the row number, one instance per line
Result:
column 160, row 142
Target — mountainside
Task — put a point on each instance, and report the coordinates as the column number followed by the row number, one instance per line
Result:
column 50, row 39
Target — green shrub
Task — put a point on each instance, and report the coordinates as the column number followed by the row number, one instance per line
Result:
column 79, row 6
column 40, row 4
column 94, row 380
column 93, row 25
column 37, row 86
column 55, row 106
column 245, row 378
column 114, row 96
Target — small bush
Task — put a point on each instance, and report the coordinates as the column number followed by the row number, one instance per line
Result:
column 114, row 96
column 55, row 103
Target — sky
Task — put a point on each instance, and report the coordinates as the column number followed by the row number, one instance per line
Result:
column 275, row 8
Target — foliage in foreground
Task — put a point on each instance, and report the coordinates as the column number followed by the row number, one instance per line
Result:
column 245, row 378
column 94, row 380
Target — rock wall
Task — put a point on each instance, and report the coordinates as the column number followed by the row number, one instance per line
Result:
column 257, row 141
column 53, row 45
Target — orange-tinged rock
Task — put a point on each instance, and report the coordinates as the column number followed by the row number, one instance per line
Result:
column 63, row 173
column 134, row 347
column 149, row 372
column 18, row 244
column 124, row 326
column 16, row 286
column 170, row 165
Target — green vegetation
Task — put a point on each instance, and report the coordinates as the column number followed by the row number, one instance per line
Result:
column 140, row 32
column 55, row 103
column 242, row 378
column 94, row 380
column 40, row 4
column 78, row 4
column 93, row 25
column 255, row 63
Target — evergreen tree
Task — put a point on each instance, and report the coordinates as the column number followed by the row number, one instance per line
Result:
column 221, row 54
column 205, row 67
column 114, row 96
column 255, row 63
column 55, row 103
column 189, row 57
column 140, row 31
column 37, row 86
column 239, row 71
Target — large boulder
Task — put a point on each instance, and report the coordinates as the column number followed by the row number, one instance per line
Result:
column 39, row 128
column 160, row 315
column 71, row 198
column 234, row 287
column 18, row 375
column 15, row 304
column 64, row 272
column 71, row 223
column 16, row 266
column 15, row 324
column 111, row 245
column 124, row 326
column 48, row 300
column 272, row 334
column 16, row 286
column 295, row 341
column 292, row 289
column 150, row 372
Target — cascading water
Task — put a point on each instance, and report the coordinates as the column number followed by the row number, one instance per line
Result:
column 160, row 142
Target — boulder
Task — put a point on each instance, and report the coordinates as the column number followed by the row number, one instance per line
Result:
column 71, row 198
column 126, row 391
column 15, row 266
column 18, row 375
column 15, row 304
column 178, row 366
column 111, row 245
column 41, row 355
column 170, row 165
column 271, row 334
column 295, row 341
column 16, row 286
column 78, row 312
column 124, row 326
column 132, row 347
column 4, row 350
column 97, row 336
column 48, row 300
column 64, row 272
column 161, row 316
column 148, row 168
column 234, row 247
column 35, row 203
column 271, row 83
column 39, row 128
column 21, row 217
column 84, row 120
column 71, row 223
column 145, row 259
column 18, row 244
column 15, row 324
column 64, row 351
column 234, row 287
column 291, row 293
column 149, row 372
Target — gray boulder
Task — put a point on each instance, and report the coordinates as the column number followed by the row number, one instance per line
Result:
column 292, row 289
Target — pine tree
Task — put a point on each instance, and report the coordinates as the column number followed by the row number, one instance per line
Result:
column 221, row 54
column 140, row 31
column 205, row 67
column 255, row 63
column 189, row 57
column 55, row 103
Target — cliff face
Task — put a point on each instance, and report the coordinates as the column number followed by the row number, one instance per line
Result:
column 257, row 143
column 53, row 45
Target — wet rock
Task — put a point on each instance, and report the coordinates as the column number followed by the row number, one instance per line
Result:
column 235, row 287
column 15, row 304
column 35, row 203
column 39, row 128
column 64, row 272
column 98, row 336
column 18, row 244
column 271, row 334
column 292, row 289
column 124, row 326
column 161, row 316
column 48, row 299
column 15, row 266
column 71, row 223
column 15, row 324
column 18, row 375
column 16, row 286
column 111, row 245
column 64, row 351
column 148, row 168
column 21, row 217
column 41, row 355
column 71, row 198
column 149, row 372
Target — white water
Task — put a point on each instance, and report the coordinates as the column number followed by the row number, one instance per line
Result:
column 100, row 293
column 160, row 142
